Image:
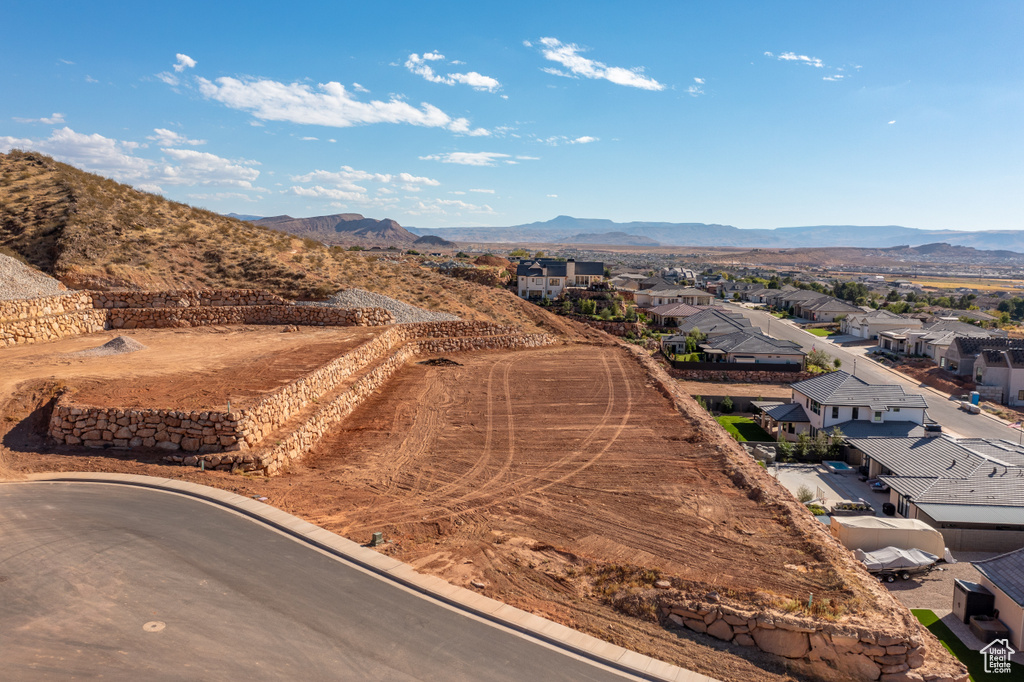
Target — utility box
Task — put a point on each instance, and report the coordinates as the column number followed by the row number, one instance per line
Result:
column 971, row 599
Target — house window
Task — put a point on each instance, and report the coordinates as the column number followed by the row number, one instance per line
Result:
column 856, row 412
column 903, row 506
column 835, row 413
column 555, row 282
column 878, row 416
column 979, row 376
column 895, row 409
column 1020, row 395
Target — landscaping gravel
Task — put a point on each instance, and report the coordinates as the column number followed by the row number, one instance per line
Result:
column 402, row 312
column 116, row 346
column 18, row 281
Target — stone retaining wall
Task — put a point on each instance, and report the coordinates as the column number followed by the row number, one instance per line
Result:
column 184, row 298
column 299, row 442
column 241, row 430
column 741, row 377
column 862, row 653
column 146, row 318
column 21, row 309
column 102, row 427
column 52, row 327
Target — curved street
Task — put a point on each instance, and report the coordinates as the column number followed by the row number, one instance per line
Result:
column 127, row 583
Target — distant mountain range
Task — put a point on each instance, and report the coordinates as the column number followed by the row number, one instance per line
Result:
column 343, row 229
column 569, row 230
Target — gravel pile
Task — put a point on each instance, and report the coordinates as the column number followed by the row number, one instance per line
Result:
column 116, row 346
column 402, row 312
column 18, row 280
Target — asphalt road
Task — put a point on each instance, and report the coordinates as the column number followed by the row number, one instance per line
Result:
column 133, row 584
column 940, row 409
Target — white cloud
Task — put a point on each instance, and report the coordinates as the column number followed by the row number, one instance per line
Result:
column 698, row 81
column 169, row 138
column 309, row 138
column 418, row 64
column 222, row 196
column 328, row 193
column 202, row 168
column 834, row 77
column 169, row 78
column 94, row 153
column 586, row 139
column 528, row 158
column 802, row 58
column 90, row 79
column 482, row 191
column 467, row 158
column 55, row 119
column 448, row 207
column 183, row 62
column 330, row 104
column 552, row 196
column 568, row 56
column 556, row 140
column 407, row 177
column 891, row 122
column 359, row 88
column 695, row 91
column 149, row 187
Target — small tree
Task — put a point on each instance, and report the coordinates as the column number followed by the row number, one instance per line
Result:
column 785, row 450
column 804, row 494
column 837, row 363
column 727, row 405
column 606, row 314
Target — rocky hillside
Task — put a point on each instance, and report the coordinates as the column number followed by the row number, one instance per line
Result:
column 93, row 233
column 344, row 229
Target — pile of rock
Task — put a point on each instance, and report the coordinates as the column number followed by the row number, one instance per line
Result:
column 20, row 281
column 403, row 313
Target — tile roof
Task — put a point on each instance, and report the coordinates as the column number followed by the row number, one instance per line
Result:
column 715, row 321
column 865, row 428
column 1006, row 572
column 830, row 304
column 677, row 309
column 753, row 341
column 974, row 345
column 790, row 412
column 840, row 388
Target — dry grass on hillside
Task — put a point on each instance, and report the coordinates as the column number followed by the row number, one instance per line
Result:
column 93, row 233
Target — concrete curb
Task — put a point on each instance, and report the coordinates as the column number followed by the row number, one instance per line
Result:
column 547, row 631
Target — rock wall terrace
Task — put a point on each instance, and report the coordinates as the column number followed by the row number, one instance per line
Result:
column 238, row 432
column 184, row 298
column 21, row 309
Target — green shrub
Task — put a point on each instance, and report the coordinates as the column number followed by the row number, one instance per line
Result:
column 727, row 406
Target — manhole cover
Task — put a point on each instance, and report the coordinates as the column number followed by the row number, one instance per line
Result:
column 154, row 626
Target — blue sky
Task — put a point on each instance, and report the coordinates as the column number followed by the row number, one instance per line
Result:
column 452, row 114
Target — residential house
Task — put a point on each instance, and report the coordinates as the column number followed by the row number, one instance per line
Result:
column 782, row 421
column 825, row 309
column 970, row 490
column 671, row 314
column 678, row 275
column 751, row 346
column 867, row 325
column 663, row 295
column 655, row 283
column 964, row 351
column 714, row 322
column 954, row 315
column 547, row 278
column 841, row 399
column 730, row 290
column 931, row 340
column 1004, row 577
column 999, row 375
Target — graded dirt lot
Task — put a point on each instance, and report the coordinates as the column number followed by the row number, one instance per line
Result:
column 560, row 479
column 185, row 369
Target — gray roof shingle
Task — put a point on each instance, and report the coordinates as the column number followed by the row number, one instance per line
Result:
column 1006, row 572
column 840, row 388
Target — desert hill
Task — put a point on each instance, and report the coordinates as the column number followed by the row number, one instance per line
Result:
column 343, row 229
column 431, row 240
column 93, row 233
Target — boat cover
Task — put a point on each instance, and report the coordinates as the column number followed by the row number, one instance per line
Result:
column 895, row 559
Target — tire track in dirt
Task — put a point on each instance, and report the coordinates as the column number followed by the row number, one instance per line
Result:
column 517, row 487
